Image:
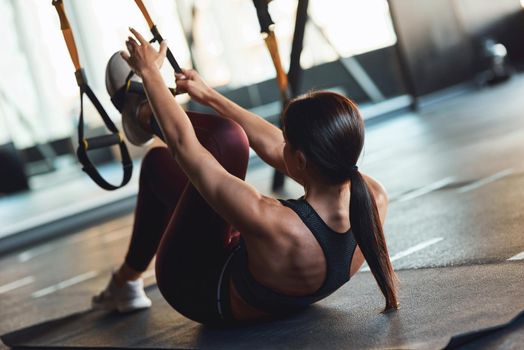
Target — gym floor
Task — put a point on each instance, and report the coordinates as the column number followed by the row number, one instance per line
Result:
column 455, row 176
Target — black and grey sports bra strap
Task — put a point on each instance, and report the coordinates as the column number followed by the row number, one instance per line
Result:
column 87, row 144
column 338, row 248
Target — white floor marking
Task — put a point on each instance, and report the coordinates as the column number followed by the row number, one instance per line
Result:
column 64, row 284
column 416, row 248
column 16, row 284
column 485, row 181
column 34, row 252
column 519, row 256
column 411, row 250
column 30, row 254
column 426, row 189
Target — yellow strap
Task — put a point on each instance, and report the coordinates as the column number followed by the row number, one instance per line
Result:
column 68, row 33
column 143, row 9
column 272, row 45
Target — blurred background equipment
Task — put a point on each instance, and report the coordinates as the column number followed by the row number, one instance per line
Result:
column 497, row 68
column 442, row 44
column 46, row 155
column 12, row 175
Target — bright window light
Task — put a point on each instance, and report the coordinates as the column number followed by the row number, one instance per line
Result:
column 229, row 49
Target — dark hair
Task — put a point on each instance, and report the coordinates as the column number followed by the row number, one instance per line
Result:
column 328, row 129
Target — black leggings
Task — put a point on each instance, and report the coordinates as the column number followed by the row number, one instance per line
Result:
column 172, row 220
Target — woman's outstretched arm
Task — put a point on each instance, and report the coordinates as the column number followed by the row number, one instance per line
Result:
column 236, row 201
column 266, row 139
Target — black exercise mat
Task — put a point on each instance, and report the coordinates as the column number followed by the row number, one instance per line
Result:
column 436, row 304
column 503, row 336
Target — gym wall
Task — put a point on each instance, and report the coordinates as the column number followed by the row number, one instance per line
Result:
column 440, row 40
column 382, row 66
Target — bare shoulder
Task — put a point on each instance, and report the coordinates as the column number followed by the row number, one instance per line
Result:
column 277, row 222
column 377, row 188
column 274, row 213
column 379, row 194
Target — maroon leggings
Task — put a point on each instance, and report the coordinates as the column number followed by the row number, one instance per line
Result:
column 172, row 220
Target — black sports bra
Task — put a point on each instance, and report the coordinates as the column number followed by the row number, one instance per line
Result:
column 338, row 251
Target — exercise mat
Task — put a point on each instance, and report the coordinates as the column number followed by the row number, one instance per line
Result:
column 504, row 336
column 436, row 305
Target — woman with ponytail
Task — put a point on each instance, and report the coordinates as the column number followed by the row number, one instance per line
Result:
column 226, row 254
column 327, row 131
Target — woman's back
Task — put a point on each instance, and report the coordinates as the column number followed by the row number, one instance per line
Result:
column 290, row 260
column 310, row 262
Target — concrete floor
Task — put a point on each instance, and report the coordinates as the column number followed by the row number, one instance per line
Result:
column 454, row 172
column 436, row 303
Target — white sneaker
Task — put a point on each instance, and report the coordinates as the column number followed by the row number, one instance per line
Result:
column 129, row 297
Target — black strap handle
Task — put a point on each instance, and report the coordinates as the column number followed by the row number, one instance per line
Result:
column 102, row 141
column 96, row 142
column 99, row 142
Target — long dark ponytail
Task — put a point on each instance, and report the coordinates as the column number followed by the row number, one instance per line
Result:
column 328, row 129
column 366, row 226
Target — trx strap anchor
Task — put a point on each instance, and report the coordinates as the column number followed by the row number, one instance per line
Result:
column 87, row 144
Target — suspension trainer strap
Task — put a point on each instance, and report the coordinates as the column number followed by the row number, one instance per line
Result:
column 157, row 36
column 115, row 138
column 87, row 144
column 267, row 30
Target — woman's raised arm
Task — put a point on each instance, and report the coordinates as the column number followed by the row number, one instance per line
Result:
column 266, row 139
column 236, row 201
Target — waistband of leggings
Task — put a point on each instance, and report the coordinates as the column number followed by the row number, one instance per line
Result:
column 223, row 304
